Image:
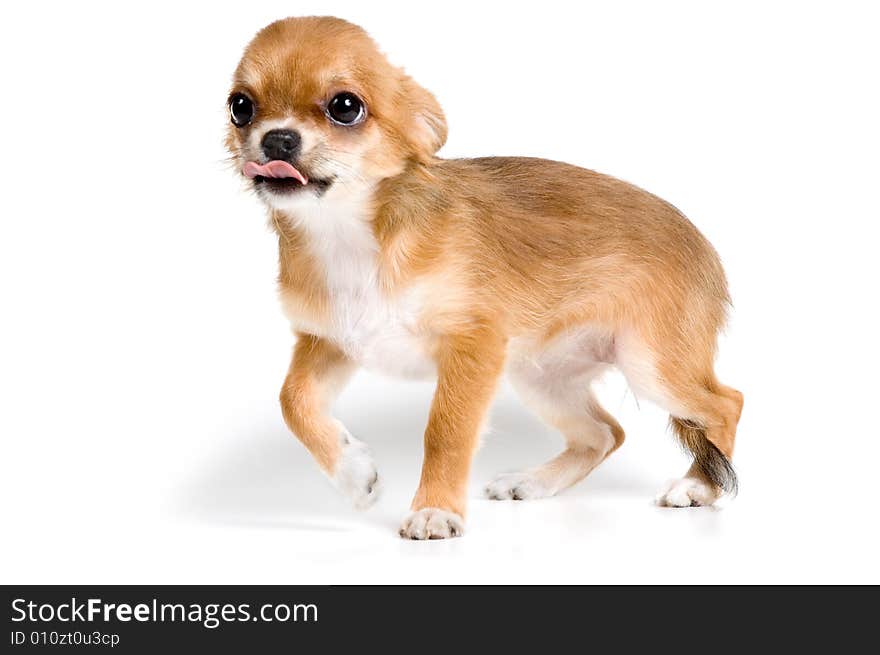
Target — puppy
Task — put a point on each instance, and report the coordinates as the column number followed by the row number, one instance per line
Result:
column 394, row 259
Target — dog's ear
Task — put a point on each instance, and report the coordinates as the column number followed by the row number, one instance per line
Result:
column 426, row 127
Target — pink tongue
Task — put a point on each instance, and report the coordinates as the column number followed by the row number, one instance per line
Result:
column 274, row 169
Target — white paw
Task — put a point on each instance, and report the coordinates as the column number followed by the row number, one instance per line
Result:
column 687, row 492
column 516, row 486
column 432, row 523
column 356, row 475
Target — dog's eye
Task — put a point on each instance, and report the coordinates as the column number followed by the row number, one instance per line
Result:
column 241, row 109
column 346, row 109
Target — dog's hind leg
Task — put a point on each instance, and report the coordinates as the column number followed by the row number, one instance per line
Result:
column 558, row 389
column 708, row 431
column 703, row 414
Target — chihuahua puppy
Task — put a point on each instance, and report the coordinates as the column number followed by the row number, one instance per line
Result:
column 394, row 259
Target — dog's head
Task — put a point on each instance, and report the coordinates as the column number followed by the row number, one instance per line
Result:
column 316, row 109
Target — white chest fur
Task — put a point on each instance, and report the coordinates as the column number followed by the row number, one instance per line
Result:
column 375, row 330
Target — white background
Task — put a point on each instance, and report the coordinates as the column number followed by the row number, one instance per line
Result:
column 143, row 347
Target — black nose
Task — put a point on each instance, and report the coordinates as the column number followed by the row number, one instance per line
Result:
column 281, row 144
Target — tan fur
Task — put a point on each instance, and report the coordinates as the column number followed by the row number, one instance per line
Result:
column 317, row 371
column 505, row 249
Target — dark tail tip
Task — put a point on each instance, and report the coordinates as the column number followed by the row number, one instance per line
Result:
column 711, row 461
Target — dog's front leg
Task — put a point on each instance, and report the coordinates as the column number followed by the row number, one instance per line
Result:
column 317, row 374
column 469, row 367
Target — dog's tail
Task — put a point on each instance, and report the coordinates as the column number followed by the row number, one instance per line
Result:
column 711, row 461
